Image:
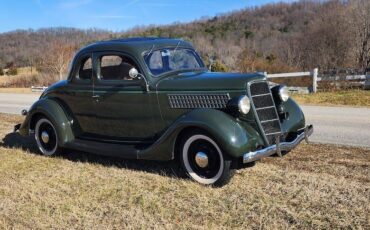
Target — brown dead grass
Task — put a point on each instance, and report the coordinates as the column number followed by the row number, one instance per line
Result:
column 315, row 186
column 23, row 73
column 27, row 79
column 354, row 97
column 15, row 90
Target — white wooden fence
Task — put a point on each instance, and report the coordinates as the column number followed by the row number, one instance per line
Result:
column 38, row 88
column 314, row 73
column 337, row 79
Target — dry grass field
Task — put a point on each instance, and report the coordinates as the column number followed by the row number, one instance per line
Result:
column 315, row 186
column 15, row 90
column 23, row 72
column 26, row 78
column 4, row 80
column 354, row 97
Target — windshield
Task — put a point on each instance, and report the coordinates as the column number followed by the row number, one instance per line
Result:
column 166, row 60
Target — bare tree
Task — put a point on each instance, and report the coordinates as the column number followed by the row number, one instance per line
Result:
column 57, row 58
column 360, row 20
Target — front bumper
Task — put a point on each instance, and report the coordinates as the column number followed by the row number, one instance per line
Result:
column 278, row 147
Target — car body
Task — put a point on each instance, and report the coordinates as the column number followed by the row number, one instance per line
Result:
column 154, row 99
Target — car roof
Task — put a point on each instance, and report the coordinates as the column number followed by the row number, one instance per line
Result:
column 136, row 45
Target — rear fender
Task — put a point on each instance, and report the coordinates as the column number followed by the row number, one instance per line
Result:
column 55, row 113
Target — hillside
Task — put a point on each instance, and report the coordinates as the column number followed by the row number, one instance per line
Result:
column 274, row 38
column 24, row 47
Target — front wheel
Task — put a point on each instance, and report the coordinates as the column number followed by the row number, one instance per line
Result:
column 203, row 160
column 46, row 137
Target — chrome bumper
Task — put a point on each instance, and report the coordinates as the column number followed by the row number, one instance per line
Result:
column 278, row 147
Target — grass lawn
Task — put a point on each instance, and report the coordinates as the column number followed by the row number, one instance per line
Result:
column 315, row 186
column 346, row 98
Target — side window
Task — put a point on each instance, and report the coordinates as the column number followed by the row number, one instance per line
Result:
column 115, row 67
column 85, row 71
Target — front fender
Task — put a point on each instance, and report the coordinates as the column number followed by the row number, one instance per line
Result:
column 55, row 113
column 234, row 137
column 296, row 119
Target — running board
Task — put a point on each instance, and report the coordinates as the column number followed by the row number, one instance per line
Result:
column 105, row 149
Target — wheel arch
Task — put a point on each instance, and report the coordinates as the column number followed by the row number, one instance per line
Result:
column 53, row 111
column 182, row 133
column 34, row 118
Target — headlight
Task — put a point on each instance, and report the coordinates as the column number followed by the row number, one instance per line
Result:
column 244, row 104
column 284, row 93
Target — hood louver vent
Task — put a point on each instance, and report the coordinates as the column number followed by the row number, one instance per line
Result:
column 191, row 101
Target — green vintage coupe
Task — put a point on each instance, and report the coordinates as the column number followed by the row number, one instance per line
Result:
column 154, row 99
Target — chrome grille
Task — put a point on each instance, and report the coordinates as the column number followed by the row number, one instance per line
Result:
column 265, row 110
column 190, row 101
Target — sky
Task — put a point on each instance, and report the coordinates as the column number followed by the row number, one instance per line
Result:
column 114, row 15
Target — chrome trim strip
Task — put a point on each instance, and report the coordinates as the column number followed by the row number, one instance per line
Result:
column 282, row 146
column 269, row 134
column 265, row 121
column 260, row 95
column 268, row 107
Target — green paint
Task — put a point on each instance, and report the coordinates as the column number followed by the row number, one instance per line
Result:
column 123, row 113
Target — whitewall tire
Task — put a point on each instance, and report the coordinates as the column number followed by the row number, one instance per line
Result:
column 203, row 160
column 46, row 137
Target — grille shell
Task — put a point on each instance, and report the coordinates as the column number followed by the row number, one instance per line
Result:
column 265, row 110
column 192, row 101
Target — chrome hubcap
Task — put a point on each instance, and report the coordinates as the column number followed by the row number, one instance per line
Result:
column 45, row 137
column 201, row 159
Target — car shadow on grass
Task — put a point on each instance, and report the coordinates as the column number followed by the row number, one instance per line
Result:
column 170, row 168
column 15, row 140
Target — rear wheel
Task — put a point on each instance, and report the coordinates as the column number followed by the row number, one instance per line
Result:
column 203, row 160
column 46, row 137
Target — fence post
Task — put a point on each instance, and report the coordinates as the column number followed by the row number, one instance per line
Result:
column 314, row 80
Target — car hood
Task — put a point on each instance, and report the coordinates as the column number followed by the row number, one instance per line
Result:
column 207, row 81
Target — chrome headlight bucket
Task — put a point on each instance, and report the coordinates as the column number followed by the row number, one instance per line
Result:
column 244, row 104
column 283, row 93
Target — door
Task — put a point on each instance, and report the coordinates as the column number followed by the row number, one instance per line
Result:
column 78, row 96
column 125, row 111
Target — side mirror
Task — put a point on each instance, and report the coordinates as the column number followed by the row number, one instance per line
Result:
column 133, row 73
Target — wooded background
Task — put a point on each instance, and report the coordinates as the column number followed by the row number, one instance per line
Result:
column 275, row 38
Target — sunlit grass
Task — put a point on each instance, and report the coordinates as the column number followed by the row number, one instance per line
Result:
column 314, row 186
column 346, row 97
column 15, row 90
